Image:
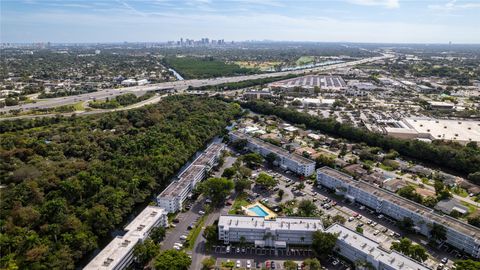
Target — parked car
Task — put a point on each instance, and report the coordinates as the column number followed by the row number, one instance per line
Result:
column 228, row 249
column 444, row 260
column 176, row 220
column 201, row 212
column 381, row 216
column 238, row 264
column 249, row 264
column 376, row 232
column 272, row 264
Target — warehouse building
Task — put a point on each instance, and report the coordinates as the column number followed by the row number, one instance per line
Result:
column 118, row 254
column 177, row 192
column 325, row 82
column 459, row 234
column 286, row 160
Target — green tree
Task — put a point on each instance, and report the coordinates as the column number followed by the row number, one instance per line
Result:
column 252, row 159
column 271, row 158
column 312, row 264
column 467, row 265
column 410, row 193
column 359, row 230
column 323, row 242
column 266, row 181
column 438, row 232
column 290, row 265
column 406, row 224
column 418, row 253
column 172, row 259
column 242, row 184
column 307, row 208
column 210, row 233
column 157, row 234
column 208, row 263
column 145, row 251
column 339, row 219
column 229, row 172
column 217, row 189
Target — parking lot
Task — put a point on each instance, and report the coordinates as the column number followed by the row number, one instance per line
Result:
column 380, row 228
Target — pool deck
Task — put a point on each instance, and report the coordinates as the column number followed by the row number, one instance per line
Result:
column 248, row 212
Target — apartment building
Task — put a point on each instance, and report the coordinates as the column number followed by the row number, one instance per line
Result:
column 286, row 160
column 276, row 233
column 118, row 254
column 362, row 250
column 282, row 232
column 172, row 198
column 459, row 234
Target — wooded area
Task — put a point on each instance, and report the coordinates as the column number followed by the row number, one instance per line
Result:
column 70, row 181
column 462, row 159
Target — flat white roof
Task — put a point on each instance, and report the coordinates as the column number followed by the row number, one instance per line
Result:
column 120, row 246
column 455, row 130
column 368, row 246
column 246, row 222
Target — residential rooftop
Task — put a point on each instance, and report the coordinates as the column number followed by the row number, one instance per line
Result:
column 383, row 194
column 374, row 249
column 275, row 149
column 290, row 223
column 112, row 255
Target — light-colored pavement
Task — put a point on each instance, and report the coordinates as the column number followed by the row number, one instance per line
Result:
column 177, row 85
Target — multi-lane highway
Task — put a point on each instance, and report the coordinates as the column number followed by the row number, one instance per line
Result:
column 180, row 86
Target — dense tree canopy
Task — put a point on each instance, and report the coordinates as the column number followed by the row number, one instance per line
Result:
column 69, row 181
column 172, row 260
column 323, row 242
column 217, row 189
column 462, row 159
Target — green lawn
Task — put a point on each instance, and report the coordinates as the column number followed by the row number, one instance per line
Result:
column 205, row 67
column 240, row 201
column 305, row 60
column 192, row 236
column 460, row 192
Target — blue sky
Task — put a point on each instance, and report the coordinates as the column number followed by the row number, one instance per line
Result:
column 404, row 21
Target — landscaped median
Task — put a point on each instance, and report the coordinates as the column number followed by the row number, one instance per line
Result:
column 192, row 236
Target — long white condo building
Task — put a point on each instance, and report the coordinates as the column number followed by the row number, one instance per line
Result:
column 177, row 192
column 118, row 254
column 286, row 160
column 282, row 232
column 460, row 235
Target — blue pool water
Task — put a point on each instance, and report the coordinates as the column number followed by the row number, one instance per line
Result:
column 258, row 210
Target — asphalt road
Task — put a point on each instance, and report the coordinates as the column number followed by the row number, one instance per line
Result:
column 177, row 85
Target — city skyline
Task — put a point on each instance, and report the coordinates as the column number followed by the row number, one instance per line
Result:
column 393, row 21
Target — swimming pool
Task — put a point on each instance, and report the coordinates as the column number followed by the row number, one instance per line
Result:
column 258, row 210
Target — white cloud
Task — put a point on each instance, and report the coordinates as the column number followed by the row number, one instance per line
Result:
column 453, row 5
column 382, row 3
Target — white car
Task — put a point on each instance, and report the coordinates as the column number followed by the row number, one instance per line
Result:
column 183, row 237
column 376, row 232
column 335, row 262
column 238, row 264
column 178, row 245
column 249, row 264
column 201, row 212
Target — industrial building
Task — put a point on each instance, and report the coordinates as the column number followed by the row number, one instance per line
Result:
column 177, row 192
column 325, row 82
column 461, row 131
column 460, row 235
column 286, row 160
column 118, row 254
